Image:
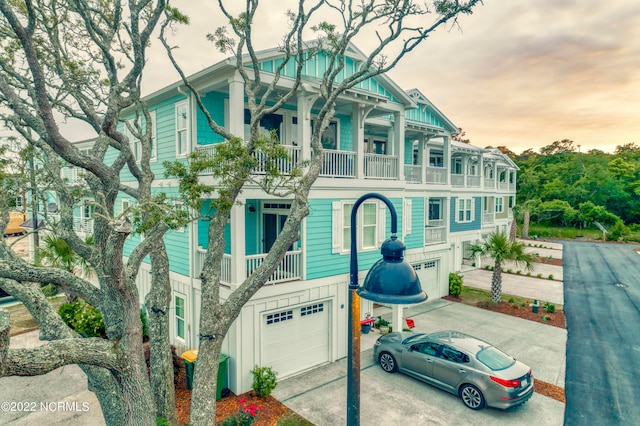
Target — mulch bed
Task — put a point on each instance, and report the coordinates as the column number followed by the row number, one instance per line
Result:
column 271, row 410
column 556, row 319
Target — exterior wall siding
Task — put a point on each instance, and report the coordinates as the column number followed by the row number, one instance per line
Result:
column 214, row 101
column 416, row 238
column 476, row 224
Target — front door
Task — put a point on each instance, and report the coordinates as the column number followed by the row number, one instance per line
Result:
column 273, row 224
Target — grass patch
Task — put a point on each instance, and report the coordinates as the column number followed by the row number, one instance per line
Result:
column 291, row 418
column 567, row 233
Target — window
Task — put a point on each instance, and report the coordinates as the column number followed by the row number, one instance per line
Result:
column 465, row 210
column 180, row 316
column 182, row 129
column 456, row 166
column 454, row 355
column 371, row 226
column 435, row 209
column 136, row 144
column 488, row 204
column 311, row 309
column 375, row 145
column 499, row 205
column 426, row 348
column 268, row 123
column 279, row 317
column 436, row 159
column 331, row 135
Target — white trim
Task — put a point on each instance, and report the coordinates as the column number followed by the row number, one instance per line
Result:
column 499, row 205
column 339, row 225
column 467, row 206
column 407, row 216
column 175, row 318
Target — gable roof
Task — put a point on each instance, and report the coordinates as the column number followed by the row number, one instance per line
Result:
column 423, row 102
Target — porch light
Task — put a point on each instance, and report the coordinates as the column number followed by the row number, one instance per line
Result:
column 390, row 280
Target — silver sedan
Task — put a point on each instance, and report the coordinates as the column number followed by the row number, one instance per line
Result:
column 480, row 374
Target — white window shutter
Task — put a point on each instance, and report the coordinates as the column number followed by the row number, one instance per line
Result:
column 336, row 227
column 407, row 217
column 382, row 223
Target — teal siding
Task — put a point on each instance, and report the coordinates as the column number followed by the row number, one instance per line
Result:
column 214, row 102
column 422, row 115
column 346, row 133
column 416, row 238
column 408, row 151
column 251, row 227
column 320, row 261
column 466, row 226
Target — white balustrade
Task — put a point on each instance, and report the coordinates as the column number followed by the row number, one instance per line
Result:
column 380, row 166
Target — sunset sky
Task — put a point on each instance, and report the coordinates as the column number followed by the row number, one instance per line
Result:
column 519, row 73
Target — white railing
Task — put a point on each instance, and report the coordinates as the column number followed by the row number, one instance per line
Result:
column 487, row 218
column 437, row 175
column 434, row 235
column 284, row 165
column 412, row 173
column 338, row 163
column 457, row 180
column 71, row 174
column 225, row 272
column 503, row 186
column 489, row 183
column 289, row 268
column 473, row 181
column 83, row 225
column 380, row 166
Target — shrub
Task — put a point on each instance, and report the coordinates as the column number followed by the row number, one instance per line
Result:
column 511, row 300
column 509, row 271
column 145, row 330
column 49, row 290
column 551, row 276
column 455, row 284
column 487, row 266
column 549, row 308
column 264, row 381
column 380, row 322
column 539, row 275
column 83, row 318
column 518, row 272
column 528, row 274
column 245, row 416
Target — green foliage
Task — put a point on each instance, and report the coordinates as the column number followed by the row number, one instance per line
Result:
column 264, row 381
column 617, row 231
column 549, row 308
column 83, row 318
column 381, row 322
column 49, row 290
column 455, row 284
column 551, row 276
column 245, row 416
column 143, row 319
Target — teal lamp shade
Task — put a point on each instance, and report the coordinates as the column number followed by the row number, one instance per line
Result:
column 391, row 279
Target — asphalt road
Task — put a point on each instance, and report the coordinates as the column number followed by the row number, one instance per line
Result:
column 602, row 306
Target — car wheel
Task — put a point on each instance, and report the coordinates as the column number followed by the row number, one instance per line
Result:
column 472, row 397
column 388, row 362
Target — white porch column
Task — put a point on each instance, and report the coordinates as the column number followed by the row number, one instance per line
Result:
column 397, row 321
column 423, row 157
column 303, row 138
column 446, row 154
column 238, row 250
column 398, row 140
column 359, row 113
column 236, row 105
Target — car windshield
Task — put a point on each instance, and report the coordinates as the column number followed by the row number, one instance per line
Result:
column 414, row 338
column 494, row 358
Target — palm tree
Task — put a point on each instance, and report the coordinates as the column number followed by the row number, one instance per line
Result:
column 501, row 248
column 56, row 252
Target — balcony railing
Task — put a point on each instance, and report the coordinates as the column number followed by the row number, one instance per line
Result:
column 72, row 174
column 487, row 218
column 225, row 270
column 434, row 234
column 289, row 269
column 380, row 166
column 83, row 225
column 473, row 181
column 283, row 165
column 338, row 163
column 412, row 173
column 437, row 175
column 489, row 183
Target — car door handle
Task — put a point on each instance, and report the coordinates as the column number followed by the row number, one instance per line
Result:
column 462, row 370
column 429, row 360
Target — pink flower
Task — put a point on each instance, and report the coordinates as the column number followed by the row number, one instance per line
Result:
column 241, row 401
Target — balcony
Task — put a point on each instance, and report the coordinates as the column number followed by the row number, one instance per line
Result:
column 283, row 165
column 437, row 175
column 489, row 183
column 380, row 166
column 289, row 269
column 338, row 164
column 434, row 234
column 72, row 175
column 412, row 173
column 487, row 218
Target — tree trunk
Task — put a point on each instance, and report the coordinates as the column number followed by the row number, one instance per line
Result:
column 496, row 283
column 513, row 229
column 525, row 224
column 158, row 301
column 203, row 401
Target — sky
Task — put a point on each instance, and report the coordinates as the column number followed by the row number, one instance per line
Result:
column 515, row 73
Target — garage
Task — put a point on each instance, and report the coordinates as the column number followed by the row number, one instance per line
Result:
column 296, row 338
column 428, row 272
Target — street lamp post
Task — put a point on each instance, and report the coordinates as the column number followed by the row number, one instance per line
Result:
column 390, row 280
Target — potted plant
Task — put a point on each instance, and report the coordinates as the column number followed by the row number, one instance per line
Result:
column 383, row 326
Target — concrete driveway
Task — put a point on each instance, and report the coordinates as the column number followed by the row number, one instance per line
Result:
column 320, row 394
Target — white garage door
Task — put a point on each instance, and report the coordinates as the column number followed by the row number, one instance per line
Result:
column 429, row 274
column 295, row 339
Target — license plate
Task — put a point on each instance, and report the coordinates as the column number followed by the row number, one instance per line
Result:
column 525, row 383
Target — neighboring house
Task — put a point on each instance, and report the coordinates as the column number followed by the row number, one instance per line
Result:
column 382, row 139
